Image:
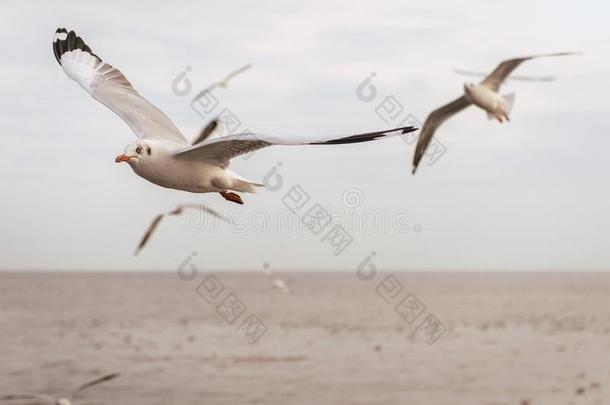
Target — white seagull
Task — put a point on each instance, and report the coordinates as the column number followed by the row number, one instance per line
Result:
column 178, row 210
column 484, row 95
column 276, row 282
column 224, row 82
column 212, row 125
column 62, row 401
column 161, row 154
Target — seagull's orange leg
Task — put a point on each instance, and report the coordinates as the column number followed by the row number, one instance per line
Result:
column 229, row 196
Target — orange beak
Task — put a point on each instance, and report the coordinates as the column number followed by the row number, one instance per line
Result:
column 122, row 158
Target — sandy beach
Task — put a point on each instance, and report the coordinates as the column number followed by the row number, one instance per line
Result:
column 500, row 338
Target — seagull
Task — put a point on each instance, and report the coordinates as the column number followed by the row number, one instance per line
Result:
column 178, row 210
column 275, row 281
column 161, row 154
column 484, row 95
column 203, row 135
column 212, row 125
column 224, row 82
column 62, row 401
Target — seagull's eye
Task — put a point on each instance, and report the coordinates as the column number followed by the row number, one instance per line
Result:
column 139, row 150
column 149, row 151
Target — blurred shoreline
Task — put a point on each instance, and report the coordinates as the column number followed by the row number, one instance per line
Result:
column 501, row 338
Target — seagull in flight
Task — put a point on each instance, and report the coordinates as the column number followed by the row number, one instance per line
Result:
column 61, row 401
column 276, row 282
column 178, row 210
column 161, row 154
column 212, row 125
column 224, row 82
column 484, row 95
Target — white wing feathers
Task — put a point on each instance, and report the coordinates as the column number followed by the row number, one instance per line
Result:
column 110, row 87
column 221, row 150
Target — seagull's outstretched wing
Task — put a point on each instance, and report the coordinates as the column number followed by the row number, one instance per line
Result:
column 206, row 132
column 151, row 229
column 523, row 78
column 177, row 211
column 110, row 87
column 93, row 382
column 44, row 398
column 221, row 150
column 494, row 79
column 434, row 120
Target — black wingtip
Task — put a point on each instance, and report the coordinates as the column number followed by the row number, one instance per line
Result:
column 369, row 136
column 66, row 41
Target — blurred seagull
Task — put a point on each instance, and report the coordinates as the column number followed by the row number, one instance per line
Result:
column 484, row 95
column 176, row 211
column 212, row 125
column 275, row 281
column 161, row 154
column 224, row 82
column 62, row 401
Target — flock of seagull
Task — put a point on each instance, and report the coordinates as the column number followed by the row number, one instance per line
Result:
column 163, row 156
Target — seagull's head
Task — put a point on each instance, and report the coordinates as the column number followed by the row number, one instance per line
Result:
column 135, row 153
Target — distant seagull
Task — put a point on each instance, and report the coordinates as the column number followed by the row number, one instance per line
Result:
column 484, row 95
column 162, row 155
column 176, row 211
column 224, row 82
column 276, row 282
column 62, row 401
column 212, row 125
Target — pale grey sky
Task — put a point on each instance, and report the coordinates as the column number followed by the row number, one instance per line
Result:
column 530, row 194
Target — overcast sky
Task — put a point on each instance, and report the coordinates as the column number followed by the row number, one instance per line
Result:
column 528, row 195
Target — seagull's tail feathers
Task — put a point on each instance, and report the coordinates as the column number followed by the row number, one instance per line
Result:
column 504, row 109
column 509, row 100
column 243, row 185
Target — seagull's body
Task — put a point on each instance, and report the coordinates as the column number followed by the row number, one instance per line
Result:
column 197, row 176
column 161, row 154
column 276, row 282
column 494, row 104
column 484, row 95
column 62, row 401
